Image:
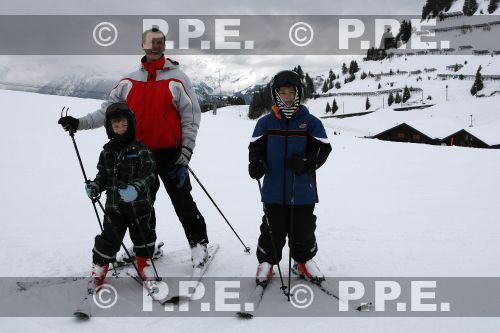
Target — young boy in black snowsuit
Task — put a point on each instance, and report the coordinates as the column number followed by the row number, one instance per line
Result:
column 126, row 171
column 287, row 147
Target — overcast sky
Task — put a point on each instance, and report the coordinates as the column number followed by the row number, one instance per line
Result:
column 37, row 69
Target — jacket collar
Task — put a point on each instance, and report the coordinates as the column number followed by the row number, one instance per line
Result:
column 302, row 110
column 162, row 63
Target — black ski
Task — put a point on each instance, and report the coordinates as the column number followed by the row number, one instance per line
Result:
column 84, row 309
column 196, row 275
column 331, row 291
column 253, row 301
column 50, row 281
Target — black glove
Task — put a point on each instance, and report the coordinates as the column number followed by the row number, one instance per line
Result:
column 256, row 169
column 301, row 165
column 69, row 123
column 179, row 174
column 183, row 156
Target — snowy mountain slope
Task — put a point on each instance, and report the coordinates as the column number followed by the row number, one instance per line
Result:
column 450, row 95
column 386, row 209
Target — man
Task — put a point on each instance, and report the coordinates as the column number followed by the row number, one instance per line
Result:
column 168, row 116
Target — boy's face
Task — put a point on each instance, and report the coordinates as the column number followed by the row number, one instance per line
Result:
column 119, row 126
column 287, row 95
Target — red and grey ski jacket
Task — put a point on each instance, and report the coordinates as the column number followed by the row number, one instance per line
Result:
column 163, row 101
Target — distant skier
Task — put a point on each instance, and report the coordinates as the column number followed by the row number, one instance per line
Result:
column 126, row 171
column 168, row 116
column 289, row 142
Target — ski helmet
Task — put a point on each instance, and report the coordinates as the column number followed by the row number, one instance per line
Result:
column 287, row 78
column 118, row 110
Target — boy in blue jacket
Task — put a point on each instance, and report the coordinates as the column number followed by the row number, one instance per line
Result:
column 287, row 147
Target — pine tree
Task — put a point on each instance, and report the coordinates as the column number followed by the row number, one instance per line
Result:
column 310, row 90
column 470, row 7
column 379, row 86
column 261, row 102
column 404, row 33
column 325, row 87
column 338, row 85
column 330, row 85
column 363, row 76
column 367, row 104
column 493, row 6
column 300, row 72
column 433, row 7
column 406, row 94
column 331, row 75
column 328, row 108
column 397, row 100
column 353, row 67
column 344, row 69
column 334, row 106
column 390, row 100
column 478, row 82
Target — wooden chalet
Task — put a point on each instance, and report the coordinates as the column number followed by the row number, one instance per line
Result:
column 404, row 133
column 463, row 138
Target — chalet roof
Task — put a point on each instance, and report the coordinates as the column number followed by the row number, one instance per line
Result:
column 489, row 133
column 402, row 125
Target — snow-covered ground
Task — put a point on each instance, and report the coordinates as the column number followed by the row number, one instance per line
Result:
column 386, row 209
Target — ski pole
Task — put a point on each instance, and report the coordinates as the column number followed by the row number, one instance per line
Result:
column 283, row 287
column 72, row 135
column 290, row 236
column 247, row 249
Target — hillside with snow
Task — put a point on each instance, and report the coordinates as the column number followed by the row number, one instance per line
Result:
column 386, row 209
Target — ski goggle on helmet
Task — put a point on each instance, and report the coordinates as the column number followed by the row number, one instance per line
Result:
column 286, row 79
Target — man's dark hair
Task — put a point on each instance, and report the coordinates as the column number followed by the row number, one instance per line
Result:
column 155, row 28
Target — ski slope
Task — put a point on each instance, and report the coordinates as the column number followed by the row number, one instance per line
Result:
column 386, row 209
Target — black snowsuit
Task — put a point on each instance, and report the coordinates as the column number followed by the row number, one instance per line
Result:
column 134, row 165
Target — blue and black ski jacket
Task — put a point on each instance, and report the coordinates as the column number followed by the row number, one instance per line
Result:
column 275, row 140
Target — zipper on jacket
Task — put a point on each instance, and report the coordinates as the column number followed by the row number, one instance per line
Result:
column 284, row 162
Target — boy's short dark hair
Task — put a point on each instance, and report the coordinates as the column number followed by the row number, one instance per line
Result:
column 118, row 117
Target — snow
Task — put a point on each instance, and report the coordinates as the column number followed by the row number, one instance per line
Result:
column 386, row 209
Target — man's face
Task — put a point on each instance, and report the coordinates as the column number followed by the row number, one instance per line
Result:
column 119, row 126
column 287, row 95
column 154, row 46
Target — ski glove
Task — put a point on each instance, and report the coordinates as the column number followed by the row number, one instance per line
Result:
column 128, row 194
column 256, row 169
column 301, row 165
column 92, row 190
column 179, row 174
column 69, row 123
column 183, row 156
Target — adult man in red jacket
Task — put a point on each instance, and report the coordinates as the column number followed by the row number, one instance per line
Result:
column 168, row 116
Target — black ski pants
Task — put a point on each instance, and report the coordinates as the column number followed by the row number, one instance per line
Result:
column 303, row 243
column 108, row 243
column 190, row 217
